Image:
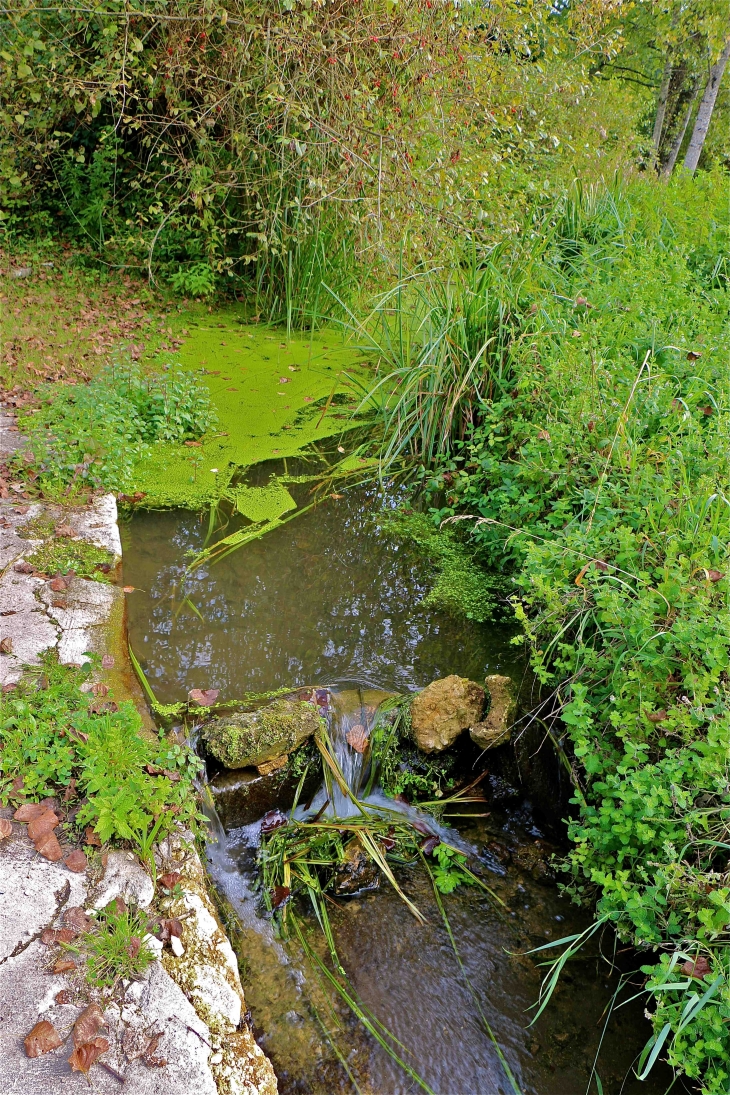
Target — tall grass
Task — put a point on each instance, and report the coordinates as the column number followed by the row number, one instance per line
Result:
column 443, row 344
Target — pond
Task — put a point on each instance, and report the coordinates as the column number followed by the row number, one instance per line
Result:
column 332, row 600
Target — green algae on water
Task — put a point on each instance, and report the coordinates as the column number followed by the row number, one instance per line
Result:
column 273, row 397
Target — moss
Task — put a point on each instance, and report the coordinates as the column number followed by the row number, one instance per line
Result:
column 264, row 389
column 79, row 556
column 264, row 503
column 242, row 741
column 461, row 585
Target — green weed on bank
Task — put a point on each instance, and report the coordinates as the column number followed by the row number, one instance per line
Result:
column 61, row 740
column 601, row 476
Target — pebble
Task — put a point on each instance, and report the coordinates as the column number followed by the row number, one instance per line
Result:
column 176, row 946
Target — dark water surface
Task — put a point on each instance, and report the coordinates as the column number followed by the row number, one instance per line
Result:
column 330, row 599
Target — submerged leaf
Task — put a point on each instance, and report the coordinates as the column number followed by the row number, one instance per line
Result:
column 204, row 697
column 357, row 738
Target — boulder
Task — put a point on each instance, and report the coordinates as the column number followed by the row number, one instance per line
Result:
column 255, row 737
column 496, row 727
column 443, row 710
column 243, row 796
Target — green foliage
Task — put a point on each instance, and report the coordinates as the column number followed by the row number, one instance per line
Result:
column 397, row 765
column 50, row 736
column 79, row 556
column 91, row 435
column 602, row 476
column 113, row 948
column 449, row 873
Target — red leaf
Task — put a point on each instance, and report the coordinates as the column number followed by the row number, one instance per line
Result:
column 49, row 847
column 428, row 845
column 204, row 697
column 75, row 861
column 58, row 585
column 168, row 928
column 100, row 689
column 41, row 1039
column 88, row 1024
column 698, row 968
column 279, row 896
column 357, row 738
column 91, row 838
column 6, row 645
column 84, row 1056
column 29, row 810
column 273, row 820
column 5, row 828
column 169, row 880
column 63, row 997
column 714, row 575
column 63, row 965
column 44, row 823
column 49, row 936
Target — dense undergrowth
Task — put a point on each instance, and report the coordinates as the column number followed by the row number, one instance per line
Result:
column 93, row 753
column 591, row 456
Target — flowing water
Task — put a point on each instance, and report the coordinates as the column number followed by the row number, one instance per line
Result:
column 330, row 600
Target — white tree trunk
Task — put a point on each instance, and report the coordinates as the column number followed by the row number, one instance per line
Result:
column 704, row 114
column 679, row 136
column 661, row 109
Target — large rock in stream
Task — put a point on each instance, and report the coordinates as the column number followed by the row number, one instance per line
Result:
column 496, row 727
column 443, row 710
column 252, row 738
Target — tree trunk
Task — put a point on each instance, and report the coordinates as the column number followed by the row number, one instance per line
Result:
column 679, row 136
column 661, row 109
column 704, row 114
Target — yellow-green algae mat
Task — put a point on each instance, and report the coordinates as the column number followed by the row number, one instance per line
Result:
column 273, row 396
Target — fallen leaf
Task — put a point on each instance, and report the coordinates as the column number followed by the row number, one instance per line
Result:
column 63, row 965
column 88, row 1024
column 84, row 1056
column 708, row 411
column 169, row 929
column 194, row 444
column 63, row 997
column 103, row 707
column 357, row 738
column 77, row 918
column 285, row 380
column 23, row 568
column 51, row 936
column 543, row 435
column 714, row 575
column 279, row 896
column 576, row 334
column 698, row 968
column 49, row 847
column 91, row 838
column 107, row 662
column 44, row 823
column 75, row 861
column 169, row 880
column 693, row 355
column 204, row 697
column 58, row 585
column 135, row 945
column 9, row 686
column 100, row 689
column 656, row 716
column 273, row 820
column 9, row 612
column 63, row 530
column 5, row 828
column 340, row 448
column 28, row 811
column 428, row 845
column 129, row 589
column 42, row 1039
column 6, row 645
column 388, row 843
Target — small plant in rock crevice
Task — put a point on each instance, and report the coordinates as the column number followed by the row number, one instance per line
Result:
column 114, row 948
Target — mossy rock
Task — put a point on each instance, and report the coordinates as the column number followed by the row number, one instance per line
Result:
column 245, row 740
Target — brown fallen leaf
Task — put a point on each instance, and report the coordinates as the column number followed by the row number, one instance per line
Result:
column 50, row 936
column 169, row 928
column 77, row 918
column 656, row 716
column 698, row 968
column 204, row 697
column 58, row 585
column 63, row 530
column 75, row 861
column 693, row 355
column 714, row 575
column 49, row 847
column 6, row 828
column 41, row 1039
column 65, row 996
column 100, row 689
column 428, row 845
column 103, row 707
column 85, row 1055
column 134, row 947
column 357, row 738
column 91, row 838
column 6, row 645
column 543, row 435
column 129, row 589
column 170, row 880
column 88, row 1024
column 63, row 965
column 107, row 662
column 23, row 567
column 194, row 444
column 279, row 896
column 44, row 823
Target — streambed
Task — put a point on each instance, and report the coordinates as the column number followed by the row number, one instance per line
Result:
column 331, row 600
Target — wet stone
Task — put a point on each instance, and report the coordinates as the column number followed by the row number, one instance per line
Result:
column 357, row 873
column 243, row 795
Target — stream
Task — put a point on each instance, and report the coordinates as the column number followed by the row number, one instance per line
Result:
column 330, row 600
